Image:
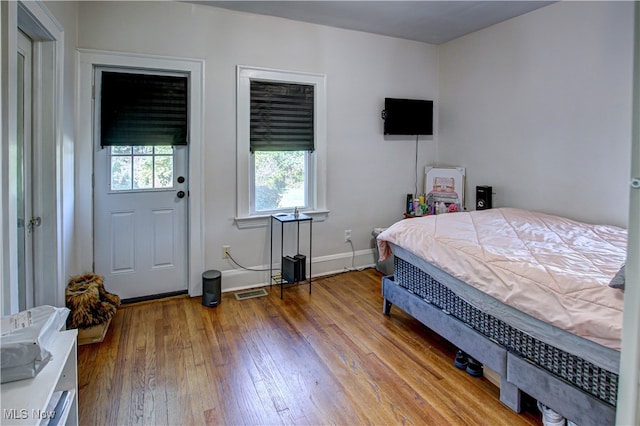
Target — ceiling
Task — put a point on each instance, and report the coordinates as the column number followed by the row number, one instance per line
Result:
column 433, row 22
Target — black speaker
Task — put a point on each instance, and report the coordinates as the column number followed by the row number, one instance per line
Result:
column 301, row 267
column 289, row 269
column 211, row 288
column 483, row 197
column 294, row 268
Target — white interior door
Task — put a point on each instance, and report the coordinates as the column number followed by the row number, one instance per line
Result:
column 140, row 219
column 23, row 172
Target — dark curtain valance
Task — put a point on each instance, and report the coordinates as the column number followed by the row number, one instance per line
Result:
column 281, row 117
column 143, row 109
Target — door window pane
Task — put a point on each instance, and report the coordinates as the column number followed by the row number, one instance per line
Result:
column 142, row 171
column 163, row 150
column 141, row 167
column 163, row 171
column 141, row 150
column 120, row 150
column 120, row 173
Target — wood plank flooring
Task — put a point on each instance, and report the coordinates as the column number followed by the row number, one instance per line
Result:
column 331, row 357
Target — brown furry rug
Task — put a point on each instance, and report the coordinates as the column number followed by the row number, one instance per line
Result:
column 89, row 302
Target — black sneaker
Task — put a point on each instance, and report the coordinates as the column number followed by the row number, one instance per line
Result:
column 461, row 360
column 474, row 368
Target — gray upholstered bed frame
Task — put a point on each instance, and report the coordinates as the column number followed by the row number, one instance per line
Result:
column 516, row 372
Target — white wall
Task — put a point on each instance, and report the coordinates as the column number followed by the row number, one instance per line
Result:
column 539, row 107
column 367, row 176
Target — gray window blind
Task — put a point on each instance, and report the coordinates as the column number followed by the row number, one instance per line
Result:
column 143, row 109
column 281, row 117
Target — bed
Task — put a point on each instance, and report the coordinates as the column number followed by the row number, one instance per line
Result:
column 525, row 293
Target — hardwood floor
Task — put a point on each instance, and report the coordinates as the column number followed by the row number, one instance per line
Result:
column 331, row 357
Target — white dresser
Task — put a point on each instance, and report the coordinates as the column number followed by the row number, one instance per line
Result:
column 50, row 398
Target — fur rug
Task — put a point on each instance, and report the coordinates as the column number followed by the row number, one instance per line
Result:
column 89, row 302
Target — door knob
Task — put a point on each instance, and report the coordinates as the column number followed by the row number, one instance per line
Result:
column 181, row 194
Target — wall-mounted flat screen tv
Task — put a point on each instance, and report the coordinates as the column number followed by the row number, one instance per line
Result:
column 408, row 117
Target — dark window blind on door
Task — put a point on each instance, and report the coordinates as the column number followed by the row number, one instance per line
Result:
column 143, row 109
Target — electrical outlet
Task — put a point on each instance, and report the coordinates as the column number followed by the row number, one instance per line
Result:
column 347, row 235
column 226, row 250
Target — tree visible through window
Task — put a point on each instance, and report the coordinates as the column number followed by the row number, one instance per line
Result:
column 141, row 167
column 279, row 180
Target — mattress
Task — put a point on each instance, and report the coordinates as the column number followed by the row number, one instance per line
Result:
column 552, row 269
column 580, row 362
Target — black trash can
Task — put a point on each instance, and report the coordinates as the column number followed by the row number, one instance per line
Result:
column 211, row 288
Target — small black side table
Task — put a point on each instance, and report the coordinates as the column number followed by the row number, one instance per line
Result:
column 287, row 218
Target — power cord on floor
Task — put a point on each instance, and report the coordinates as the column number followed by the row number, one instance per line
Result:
column 346, row 269
column 353, row 260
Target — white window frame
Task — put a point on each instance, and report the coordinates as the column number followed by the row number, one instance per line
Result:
column 246, row 216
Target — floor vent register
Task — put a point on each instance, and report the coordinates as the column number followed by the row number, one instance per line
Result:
column 248, row 294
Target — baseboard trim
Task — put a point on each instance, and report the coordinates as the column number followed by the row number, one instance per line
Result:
column 241, row 279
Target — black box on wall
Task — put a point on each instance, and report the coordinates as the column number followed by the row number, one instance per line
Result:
column 483, row 197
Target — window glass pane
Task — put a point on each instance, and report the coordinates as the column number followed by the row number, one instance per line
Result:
column 143, row 172
column 163, row 172
column 120, row 150
column 137, row 150
column 120, row 173
column 141, row 167
column 279, row 180
column 163, row 150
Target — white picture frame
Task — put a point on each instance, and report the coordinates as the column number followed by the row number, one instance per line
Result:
column 445, row 184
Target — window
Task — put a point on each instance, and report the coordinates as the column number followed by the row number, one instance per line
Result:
column 140, row 167
column 281, row 142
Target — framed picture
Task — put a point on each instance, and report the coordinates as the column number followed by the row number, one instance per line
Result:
column 445, row 184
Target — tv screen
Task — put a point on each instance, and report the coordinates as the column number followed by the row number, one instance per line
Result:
column 408, row 117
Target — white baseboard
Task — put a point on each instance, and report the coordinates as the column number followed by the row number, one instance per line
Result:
column 241, row 279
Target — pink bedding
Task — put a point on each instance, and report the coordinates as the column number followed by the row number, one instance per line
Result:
column 552, row 268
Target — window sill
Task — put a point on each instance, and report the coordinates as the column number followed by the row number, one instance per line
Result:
column 262, row 221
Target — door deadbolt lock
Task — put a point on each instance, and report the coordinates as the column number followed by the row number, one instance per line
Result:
column 33, row 222
column 180, row 179
column 181, row 194
column 635, row 183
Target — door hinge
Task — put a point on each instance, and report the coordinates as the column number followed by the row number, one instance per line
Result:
column 93, row 92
